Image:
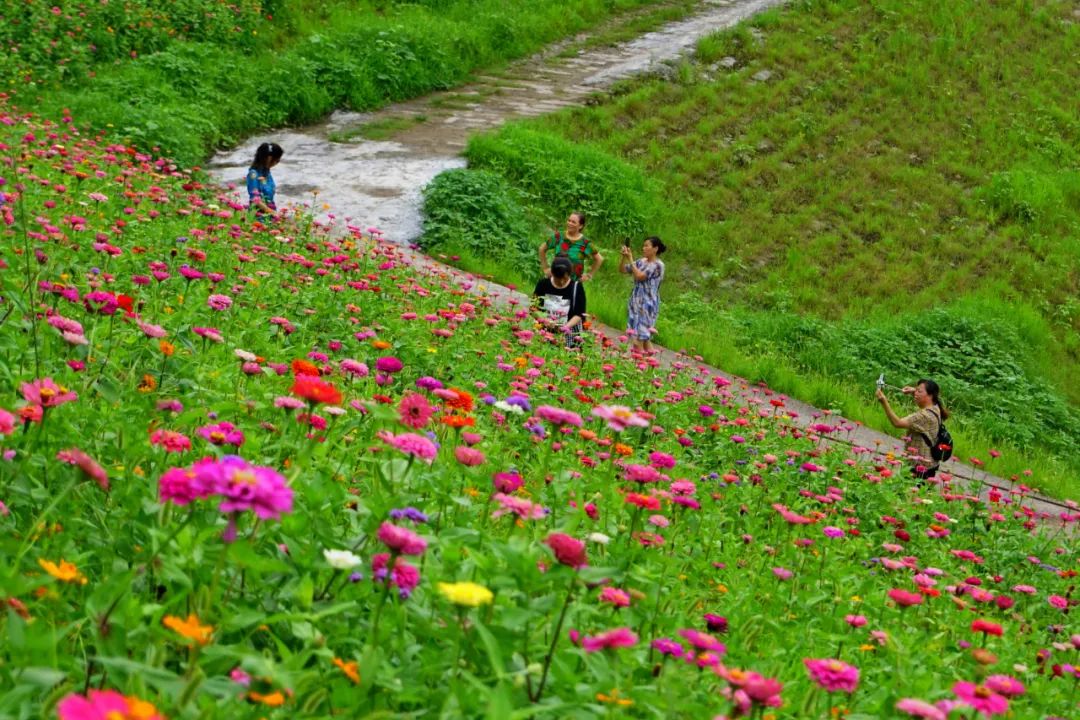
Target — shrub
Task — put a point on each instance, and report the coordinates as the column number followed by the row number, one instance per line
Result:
column 562, row 176
column 477, row 211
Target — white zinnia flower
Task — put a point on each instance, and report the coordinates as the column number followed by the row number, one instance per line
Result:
column 601, row 538
column 341, row 559
column 245, row 355
column 507, row 407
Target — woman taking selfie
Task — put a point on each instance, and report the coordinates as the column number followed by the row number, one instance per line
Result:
column 644, row 305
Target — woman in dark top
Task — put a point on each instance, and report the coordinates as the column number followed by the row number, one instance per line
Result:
column 260, row 183
column 561, row 300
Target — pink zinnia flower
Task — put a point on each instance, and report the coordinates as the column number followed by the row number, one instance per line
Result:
column 388, row 365
column 981, row 698
column 904, row 598
column 833, row 675
column 1005, row 685
column 171, row 440
column 7, row 422
column 568, row 550
column 219, row 302
column 615, row 596
column 468, row 456
column 920, row 709
column 661, row 460
column 414, row 410
column 354, row 368
column 403, row 576
column 411, row 444
column 524, row 509
column 87, row 464
column 782, row 573
column 642, row 473
column 1058, row 602
column 46, row 393
column 222, row 433
column 618, row 418
column 855, row 621
column 506, row 482
column 178, row 486
column 401, row 540
column 558, row 416
column 610, row 639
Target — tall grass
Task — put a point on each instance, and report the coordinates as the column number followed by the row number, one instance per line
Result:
column 900, row 195
column 284, row 62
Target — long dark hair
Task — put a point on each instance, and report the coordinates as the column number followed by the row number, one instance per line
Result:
column 934, row 392
column 265, row 153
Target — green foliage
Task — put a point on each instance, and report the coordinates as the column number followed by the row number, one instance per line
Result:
column 195, row 74
column 479, row 212
column 567, row 177
column 1040, row 198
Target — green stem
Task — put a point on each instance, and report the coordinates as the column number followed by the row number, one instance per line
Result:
column 554, row 641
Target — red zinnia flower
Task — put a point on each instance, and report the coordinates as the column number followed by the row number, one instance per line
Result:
column 315, row 390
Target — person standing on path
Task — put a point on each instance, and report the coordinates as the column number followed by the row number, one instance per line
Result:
column 260, row 183
column 573, row 245
column 561, row 299
column 922, row 425
column 644, row 305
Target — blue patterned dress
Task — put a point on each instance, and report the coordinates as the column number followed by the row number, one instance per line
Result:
column 261, row 186
column 644, row 305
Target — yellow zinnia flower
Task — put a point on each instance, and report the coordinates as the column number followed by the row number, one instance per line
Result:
column 466, row 593
column 190, row 628
column 64, row 571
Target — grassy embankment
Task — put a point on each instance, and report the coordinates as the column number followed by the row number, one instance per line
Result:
column 191, row 76
column 902, row 194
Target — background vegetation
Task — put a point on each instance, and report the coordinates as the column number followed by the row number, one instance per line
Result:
column 850, row 188
column 191, row 75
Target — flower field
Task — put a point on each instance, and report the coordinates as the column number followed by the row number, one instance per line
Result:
column 282, row 471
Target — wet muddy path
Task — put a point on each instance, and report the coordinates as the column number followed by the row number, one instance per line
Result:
column 373, row 182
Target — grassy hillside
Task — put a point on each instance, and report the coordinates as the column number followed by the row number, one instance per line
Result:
column 190, row 75
column 850, row 188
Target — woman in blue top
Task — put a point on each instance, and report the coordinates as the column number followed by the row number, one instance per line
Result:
column 260, row 183
column 644, row 305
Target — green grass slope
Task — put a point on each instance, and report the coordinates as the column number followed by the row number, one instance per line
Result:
column 850, row 188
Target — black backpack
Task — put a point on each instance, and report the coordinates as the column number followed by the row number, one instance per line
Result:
column 941, row 449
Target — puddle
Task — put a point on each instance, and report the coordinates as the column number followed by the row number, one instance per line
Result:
column 379, row 182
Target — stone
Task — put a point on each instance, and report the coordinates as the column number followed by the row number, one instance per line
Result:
column 728, row 62
column 762, row 76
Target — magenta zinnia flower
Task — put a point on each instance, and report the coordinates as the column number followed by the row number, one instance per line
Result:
column 388, row 365
column 833, row 675
column 244, row 487
column 981, row 698
column 401, row 540
column 403, row 576
column 222, row 433
column 610, row 639
column 568, row 550
column 219, row 302
column 104, row 705
column 171, row 440
column 558, row 416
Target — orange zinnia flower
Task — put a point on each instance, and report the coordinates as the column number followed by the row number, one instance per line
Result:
column 624, row 450
column 64, row 571
column 274, row 699
column 148, row 384
column 167, row 348
column 463, row 401
column 380, row 345
column 190, row 628
column 457, row 421
column 303, row 367
column 349, row 668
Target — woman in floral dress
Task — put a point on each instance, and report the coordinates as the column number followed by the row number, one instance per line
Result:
column 644, row 305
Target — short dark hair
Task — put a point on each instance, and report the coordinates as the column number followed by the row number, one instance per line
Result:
column 560, row 266
column 580, row 217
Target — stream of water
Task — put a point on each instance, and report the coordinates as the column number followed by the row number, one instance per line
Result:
column 379, row 182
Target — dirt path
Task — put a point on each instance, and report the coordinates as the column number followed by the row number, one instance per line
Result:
column 378, row 182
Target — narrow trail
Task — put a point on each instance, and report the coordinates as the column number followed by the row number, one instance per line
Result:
column 378, row 182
